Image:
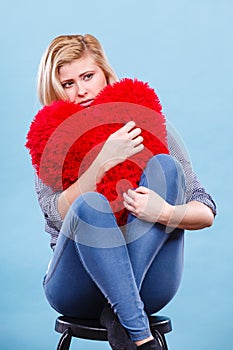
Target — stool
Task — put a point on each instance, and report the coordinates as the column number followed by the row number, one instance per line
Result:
column 92, row 329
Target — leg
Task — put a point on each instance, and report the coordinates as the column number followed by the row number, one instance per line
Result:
column 164, row 274
column 164, row 175
column 67, row 285
column 103, row 252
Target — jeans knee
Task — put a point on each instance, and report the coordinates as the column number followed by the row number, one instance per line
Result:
column 166, row 162
column 92, row 222
column 165, row 175
column 89, row 200
column 92, row 208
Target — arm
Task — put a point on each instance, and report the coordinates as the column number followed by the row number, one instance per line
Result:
column 191, row 216
column 198, row 211
column 121, row 145
column 149, row 206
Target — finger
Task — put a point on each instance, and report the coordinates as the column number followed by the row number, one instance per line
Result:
column 128, row 207
column 142, row 189
column 128, row 126
column 134, row 133
column 131, row 194
column 138, row 140
column 128, row 199
column 137, row 149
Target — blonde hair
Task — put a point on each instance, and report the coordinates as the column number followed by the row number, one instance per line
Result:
column 64, row 49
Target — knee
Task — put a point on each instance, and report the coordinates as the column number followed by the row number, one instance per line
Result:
column 167, row 163
column 90, row 201
column 169, row 166
column 91, row 206
column 94, row 224
column 165, row 175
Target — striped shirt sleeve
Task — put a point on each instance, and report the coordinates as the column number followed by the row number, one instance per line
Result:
column 48, row 199
column 194, row 189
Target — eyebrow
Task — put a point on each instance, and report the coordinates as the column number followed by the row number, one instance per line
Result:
column 88, row 71
column 80, row 75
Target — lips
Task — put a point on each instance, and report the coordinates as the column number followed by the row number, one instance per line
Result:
column 86, row 103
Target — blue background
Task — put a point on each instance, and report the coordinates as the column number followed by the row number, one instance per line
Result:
column 184, row 50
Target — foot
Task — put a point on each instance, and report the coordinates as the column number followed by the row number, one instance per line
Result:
column 154, row 344
column 117, row 335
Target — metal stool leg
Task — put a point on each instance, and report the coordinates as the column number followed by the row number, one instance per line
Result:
column 65, row 340
column 161, row 338
column 164, row 342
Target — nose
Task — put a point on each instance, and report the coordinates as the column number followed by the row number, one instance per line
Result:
column 81, row 90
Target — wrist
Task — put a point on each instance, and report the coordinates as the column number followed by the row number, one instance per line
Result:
column 98, row 168
column 166, row 214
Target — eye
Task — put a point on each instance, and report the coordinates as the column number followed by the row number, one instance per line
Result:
column 67, row 84
column 88, row 76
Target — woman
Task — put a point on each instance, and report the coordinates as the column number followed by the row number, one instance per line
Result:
column 96, row 271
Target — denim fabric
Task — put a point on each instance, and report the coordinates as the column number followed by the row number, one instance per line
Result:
column 138, row 272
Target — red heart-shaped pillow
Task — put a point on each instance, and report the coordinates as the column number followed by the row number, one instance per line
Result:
column 64, row 138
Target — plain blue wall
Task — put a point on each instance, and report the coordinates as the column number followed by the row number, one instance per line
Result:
column 184, row 50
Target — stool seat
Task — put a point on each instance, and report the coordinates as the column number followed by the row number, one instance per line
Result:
column 93, row 330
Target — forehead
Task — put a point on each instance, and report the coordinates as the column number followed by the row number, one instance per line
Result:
column 78, row 66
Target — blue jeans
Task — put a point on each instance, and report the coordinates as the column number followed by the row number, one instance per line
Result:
column 138, row 272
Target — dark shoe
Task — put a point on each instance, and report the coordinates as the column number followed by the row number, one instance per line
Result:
column 155, row 344
column 117, row 335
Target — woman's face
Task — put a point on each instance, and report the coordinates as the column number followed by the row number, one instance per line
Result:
column 82, row 80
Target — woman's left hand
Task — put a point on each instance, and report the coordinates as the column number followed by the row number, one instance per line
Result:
column 146, row 205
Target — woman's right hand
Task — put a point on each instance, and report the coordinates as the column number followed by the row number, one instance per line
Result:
column 122, row 144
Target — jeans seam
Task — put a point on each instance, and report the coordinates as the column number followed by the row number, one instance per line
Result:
column 50, row 274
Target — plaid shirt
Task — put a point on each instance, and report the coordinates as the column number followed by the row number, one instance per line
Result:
column 194, row 191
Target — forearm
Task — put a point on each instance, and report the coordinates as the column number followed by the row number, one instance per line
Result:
column 191, row 216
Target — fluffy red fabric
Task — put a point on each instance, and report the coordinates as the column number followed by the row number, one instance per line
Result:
column 64, row 138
